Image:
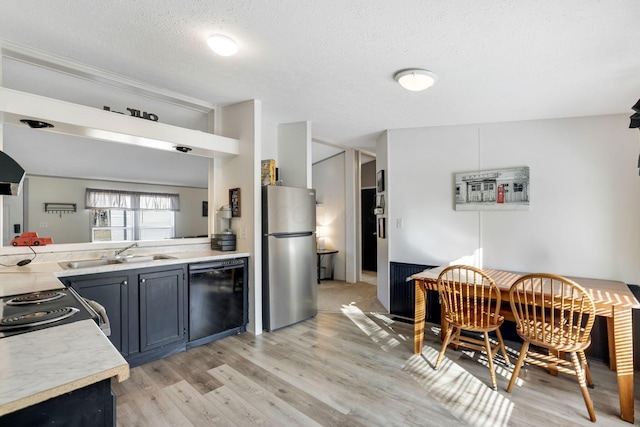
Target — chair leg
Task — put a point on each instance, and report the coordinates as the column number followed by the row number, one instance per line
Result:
column 577, row 365
column 457, row 338
column 552, row 366
column 492, row 371
column 519, row 363
column 445, row 343
column 587, row 371
column 504, row 350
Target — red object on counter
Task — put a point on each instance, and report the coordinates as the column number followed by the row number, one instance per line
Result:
column 30, row 238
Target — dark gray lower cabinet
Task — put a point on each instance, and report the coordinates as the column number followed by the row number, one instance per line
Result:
column 162, row 309
column 114, row 293
column 93, row 405
column 147, row 309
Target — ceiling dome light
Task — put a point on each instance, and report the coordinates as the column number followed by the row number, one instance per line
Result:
column 222, row 45
column 415, row 79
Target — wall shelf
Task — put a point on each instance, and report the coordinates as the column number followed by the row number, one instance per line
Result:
column 60, row 208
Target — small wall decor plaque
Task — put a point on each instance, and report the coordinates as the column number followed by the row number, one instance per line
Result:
column 135, row 113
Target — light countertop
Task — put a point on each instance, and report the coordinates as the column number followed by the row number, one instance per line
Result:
column 46, row 363
column 49, row 362
column 41, row 276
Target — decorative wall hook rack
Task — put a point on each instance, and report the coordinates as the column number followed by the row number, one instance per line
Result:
column 60, row 208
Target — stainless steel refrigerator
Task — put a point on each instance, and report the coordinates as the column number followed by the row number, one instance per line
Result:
column 289, row 283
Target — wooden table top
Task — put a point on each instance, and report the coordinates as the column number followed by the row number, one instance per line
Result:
column 605, row 293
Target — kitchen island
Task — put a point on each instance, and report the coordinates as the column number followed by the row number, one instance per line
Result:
column 52, row 362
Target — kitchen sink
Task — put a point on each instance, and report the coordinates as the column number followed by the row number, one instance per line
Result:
column 85, row 263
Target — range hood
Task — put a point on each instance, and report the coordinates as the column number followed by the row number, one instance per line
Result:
column 11, row 176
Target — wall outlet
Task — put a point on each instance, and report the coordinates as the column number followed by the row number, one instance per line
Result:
column 243, row 233
column 44, row 224
column 399, row 223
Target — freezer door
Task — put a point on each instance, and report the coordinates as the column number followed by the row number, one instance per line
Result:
column 289, row 209
column 291, row 293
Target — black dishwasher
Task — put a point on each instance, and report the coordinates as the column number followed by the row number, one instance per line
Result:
column 218, row 300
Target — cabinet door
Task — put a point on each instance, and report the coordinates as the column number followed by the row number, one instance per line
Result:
column 162, row 308
column 111, row 292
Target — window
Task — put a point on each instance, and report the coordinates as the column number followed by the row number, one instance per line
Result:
column 488, row 186
column 112, row 224
column 118, row 224
column 155, row 225
column 121, row 215
column 518, row 187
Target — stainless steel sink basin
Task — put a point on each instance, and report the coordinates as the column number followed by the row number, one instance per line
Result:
column 85, row 263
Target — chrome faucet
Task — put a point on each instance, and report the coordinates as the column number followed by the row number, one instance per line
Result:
column 119, row 251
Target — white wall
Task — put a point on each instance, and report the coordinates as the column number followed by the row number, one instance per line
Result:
column 243, row 121
column 269, row 146
column 585, row 197
column 328, row 180
column 352, row 217
column 383, row 162
column 294, row 154
column 368, row 175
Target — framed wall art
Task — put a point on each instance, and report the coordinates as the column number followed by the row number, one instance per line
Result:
column 379, row 209
column 496, row 189
column 234, row 202
column 380, row 181
column 382, row 228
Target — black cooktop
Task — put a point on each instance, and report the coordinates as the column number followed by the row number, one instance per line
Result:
column 38, row 310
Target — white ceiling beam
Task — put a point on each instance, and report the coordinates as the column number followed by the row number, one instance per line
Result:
column 88, row 122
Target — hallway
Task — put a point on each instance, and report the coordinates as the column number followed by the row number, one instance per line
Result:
column 336, row 295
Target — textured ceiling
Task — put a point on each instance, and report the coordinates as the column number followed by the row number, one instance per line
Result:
column 332, row 61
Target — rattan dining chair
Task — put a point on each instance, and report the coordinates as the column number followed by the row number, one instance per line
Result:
column 556, row 314
column 471, row 302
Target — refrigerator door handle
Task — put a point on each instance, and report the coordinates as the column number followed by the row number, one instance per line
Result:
column 287, row 235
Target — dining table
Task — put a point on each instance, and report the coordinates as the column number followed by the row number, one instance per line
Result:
column 613, row 299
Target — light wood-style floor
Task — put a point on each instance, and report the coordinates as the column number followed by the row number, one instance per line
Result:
column 350, row 369
column 334, row 296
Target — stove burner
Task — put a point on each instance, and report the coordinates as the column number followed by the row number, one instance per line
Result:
column 36, row 297
column 36, row 318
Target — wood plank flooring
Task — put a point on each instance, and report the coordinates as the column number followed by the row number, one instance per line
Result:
column 335, row 295
column 350, row 369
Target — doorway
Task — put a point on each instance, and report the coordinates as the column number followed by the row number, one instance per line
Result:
column 369, row 236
